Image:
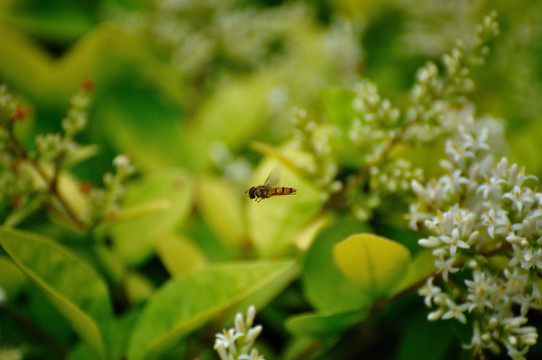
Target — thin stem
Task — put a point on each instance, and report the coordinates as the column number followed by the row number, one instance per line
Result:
column 52, row 181
column 337, row 198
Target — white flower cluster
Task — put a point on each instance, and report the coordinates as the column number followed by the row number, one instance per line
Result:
column 201, row 32
column 394, row 177
column 237, row 343
column 377, row 122
column 485, row 224
column 435, row 95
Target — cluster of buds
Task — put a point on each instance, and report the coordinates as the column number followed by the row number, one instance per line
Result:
column 314, row 138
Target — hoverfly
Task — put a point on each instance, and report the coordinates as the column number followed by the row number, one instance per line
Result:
column 269, row 188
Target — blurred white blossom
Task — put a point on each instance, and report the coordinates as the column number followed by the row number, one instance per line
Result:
column 237, row 343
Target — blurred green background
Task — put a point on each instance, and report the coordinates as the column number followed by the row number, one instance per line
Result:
column 185, row 88
column 178, row 80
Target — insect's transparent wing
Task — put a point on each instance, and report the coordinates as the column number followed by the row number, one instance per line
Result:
column 273, row 179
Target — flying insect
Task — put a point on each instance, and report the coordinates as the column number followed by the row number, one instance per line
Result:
column 269, row 188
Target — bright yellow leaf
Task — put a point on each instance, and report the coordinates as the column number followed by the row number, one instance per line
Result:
column 373, row 263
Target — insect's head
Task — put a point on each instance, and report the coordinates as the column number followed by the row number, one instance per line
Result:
column 251, row 192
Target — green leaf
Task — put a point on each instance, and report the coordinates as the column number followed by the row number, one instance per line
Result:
column 232, row 115
column 373, row 263
column 187, row 302
column 322, row 325
column 221, row 209
column 69, row 283
column 321, row 274
column 135, row 238
column 150, row 130
column 179, row 255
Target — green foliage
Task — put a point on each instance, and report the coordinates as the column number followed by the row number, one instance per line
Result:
column 373, row 263
column 187, row 302
column 147, row 254
column 68, row 282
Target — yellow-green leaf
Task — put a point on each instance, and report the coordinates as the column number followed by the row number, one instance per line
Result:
column 373, row 263
column 232, row 115
column 221, row 209
column 321, row 274
column 179, row 255
column 187, row 302
column 134, row 238
column 68, row 282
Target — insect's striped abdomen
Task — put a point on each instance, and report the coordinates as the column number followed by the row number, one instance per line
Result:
column 282, row 191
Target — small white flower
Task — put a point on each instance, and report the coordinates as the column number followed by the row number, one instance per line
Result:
column 435, row 315
column 429, row 291
column 227, row 339
column 430, row 242
column 244, row 334
column 455, row 311
column 454, row 242
column 446, row 266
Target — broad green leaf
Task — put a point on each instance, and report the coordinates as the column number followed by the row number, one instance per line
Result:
column 320, row 274
column 322, row 325
column 373, row 263
column 221, row 209
column 274, row 223
column 134, row 238
column 232, row 115
column 151, row 130
column 286, row 160
column 69, row 283
column 179, row 255
column 187, row 302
